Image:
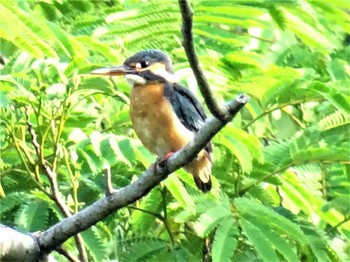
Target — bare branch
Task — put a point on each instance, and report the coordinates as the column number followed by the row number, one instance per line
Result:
column 59, row 233
column 188, row 45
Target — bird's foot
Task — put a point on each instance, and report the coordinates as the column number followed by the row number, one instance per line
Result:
column 168, row 155
column 161, row 162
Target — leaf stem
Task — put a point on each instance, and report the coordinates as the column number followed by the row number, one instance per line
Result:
column 166, row 222
column 156, row 215
column 346, row 219
column 255, row 183
column 281, row 106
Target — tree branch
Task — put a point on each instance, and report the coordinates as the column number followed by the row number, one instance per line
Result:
column 16, row 246
column 59, row 233
column 188, row 45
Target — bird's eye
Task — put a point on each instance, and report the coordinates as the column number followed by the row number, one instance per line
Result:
column 144, row 64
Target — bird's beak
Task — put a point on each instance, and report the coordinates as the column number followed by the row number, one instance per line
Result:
column 114, row 71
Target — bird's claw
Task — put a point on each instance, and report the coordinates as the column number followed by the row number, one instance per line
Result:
column 161, row 162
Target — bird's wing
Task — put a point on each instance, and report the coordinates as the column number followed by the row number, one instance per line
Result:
column 187, row 108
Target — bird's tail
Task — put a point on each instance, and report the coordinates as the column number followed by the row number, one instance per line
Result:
column 200, row 168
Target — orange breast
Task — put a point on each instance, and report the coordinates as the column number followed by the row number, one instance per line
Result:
column 155, row 121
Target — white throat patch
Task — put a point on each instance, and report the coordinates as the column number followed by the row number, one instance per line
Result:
column 134, row 80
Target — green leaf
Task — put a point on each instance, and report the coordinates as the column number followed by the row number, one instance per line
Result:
column 250, row 141
column 11, row 201
column 338, row 100
column 63, row 41
column 336, row 70
column 278, row 153
column 74, row 66
column 216, row 34
column 278, row 242
column 142, row 249
column 142, row 221
column 94, row 244
column 259, row 241
column 227, row 9
column 307, row 33
column 118, row 154
column 276, row 91
column 89, row 160
column 334, row 120
column 99, row 47
column 80, row 119
column 207, row 18
column 142, row 154
column 239, row 150
column 304, row 197
column 179, row 192
column 32, row 216
column 27, row 33
column 209, row 219
column 246, row 58
column 277, row 15
column 317, row 243
column 278, row 222
column 225, row 241
column 97, row 84
column 320, row 154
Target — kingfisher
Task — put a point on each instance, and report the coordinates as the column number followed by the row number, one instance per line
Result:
column 164, row 114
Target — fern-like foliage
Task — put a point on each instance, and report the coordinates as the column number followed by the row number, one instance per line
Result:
column 225, row 240
column 141, row 249
column 280, row 175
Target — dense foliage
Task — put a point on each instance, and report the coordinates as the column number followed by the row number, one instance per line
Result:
column 281, row 172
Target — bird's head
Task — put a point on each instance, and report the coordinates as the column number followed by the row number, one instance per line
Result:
column 143, row 67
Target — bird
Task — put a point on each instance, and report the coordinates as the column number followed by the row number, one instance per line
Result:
column 164, row 114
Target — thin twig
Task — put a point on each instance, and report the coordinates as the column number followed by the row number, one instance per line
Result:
column 256, row 37
column 188, row 45
column 52, row 176
column 81, row 248
column 165, row 221
column 156, row 215
column 66, row 254
column 46, row 168
column 294, row 118
column 108, row 178
column 346, row 219
column 279, row 107
column 73, row 180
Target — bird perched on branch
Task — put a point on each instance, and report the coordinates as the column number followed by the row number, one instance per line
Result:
column 164, row 114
